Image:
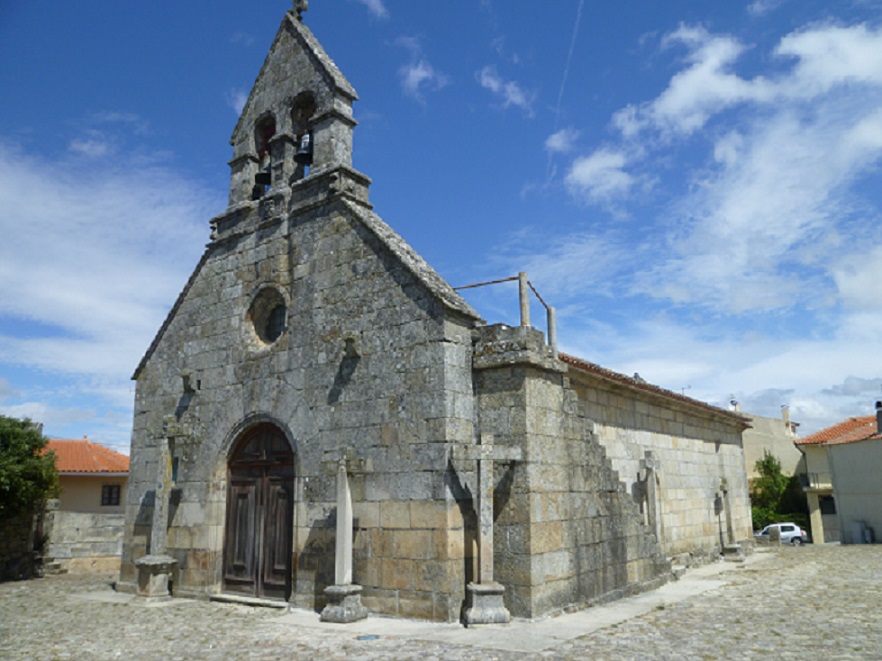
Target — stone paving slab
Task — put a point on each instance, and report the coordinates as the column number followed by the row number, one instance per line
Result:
column 821, row 602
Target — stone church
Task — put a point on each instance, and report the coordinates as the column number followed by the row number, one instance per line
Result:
column 480, row 462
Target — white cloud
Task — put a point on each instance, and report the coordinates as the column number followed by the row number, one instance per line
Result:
column 763, row 7
column 705, row 87
column 48, row 415
column 823, row 379
column 94, row 265
column 509, row 91
column 88, row 270
column 600, row 177
column 857, row 275
column 562, row 141
column 93, row 147
column 376, row 8
column 6, row 390
column 243, row 38
column 236, row 99
column 418, row 75
column 761, row 222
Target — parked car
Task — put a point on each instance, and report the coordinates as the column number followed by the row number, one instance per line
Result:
column 790, row 533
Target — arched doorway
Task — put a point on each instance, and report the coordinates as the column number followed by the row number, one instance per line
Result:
column 259, row 524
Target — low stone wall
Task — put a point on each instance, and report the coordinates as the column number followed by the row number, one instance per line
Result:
column 82, row 542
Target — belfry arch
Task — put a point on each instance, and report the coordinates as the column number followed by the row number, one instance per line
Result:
column 259, row 514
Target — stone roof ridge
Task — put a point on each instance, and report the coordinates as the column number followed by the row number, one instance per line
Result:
column 171, row 313
column 84, row 456
column 413, row 261
column 855, row 428
column 641, row 384
column 314, row 48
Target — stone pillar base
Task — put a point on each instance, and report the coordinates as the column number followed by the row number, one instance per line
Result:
column 344, row 604
column 154, row 572
column 733, row 553
column 485, row 605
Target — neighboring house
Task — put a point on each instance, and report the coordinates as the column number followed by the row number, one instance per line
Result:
column 86, row 521
column 311, row 340
column 818, row 481
column 775, row 436
column 856, row 469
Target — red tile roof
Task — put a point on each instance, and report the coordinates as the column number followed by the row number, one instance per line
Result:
column 83, row 456
column 859, row 428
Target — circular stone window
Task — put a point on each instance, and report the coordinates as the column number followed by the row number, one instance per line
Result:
column 268, row 315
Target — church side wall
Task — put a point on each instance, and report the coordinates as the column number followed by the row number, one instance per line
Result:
column 371, row 367
column 567, row 534
column 701, row 480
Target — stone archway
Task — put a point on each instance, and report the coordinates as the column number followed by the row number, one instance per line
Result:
column 260, row 514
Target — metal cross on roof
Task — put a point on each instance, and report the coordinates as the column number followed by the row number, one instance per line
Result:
column 300, row 6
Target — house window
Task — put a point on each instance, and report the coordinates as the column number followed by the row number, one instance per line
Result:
column 110, row 494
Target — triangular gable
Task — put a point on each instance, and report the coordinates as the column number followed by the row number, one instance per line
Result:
column 317, row 54
column 171, row 313
column 409, row 257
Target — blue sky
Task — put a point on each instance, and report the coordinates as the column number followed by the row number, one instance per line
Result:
column 694, row 185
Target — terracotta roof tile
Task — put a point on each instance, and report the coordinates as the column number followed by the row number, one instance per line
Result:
column 83, row 456
column 848, row 431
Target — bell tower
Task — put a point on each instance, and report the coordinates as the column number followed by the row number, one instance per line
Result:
column 293, row 140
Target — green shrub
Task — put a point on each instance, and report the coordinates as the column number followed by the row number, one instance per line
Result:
column 27, row 473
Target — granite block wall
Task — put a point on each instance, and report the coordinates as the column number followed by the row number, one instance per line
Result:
column 700, row 463
column 567, row 533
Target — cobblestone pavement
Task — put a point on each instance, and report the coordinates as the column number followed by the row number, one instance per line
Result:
column 820, row 602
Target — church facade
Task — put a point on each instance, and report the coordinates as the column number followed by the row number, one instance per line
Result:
column 310, row 333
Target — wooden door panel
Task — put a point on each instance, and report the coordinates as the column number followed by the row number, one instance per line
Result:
column 240, row 560
column 260, row 515
column 277, row 537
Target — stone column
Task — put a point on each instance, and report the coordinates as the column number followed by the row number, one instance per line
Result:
column 155, row 568
column 344, row 597
column 485, row 604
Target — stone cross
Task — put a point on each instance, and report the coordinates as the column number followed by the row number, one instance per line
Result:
column 159, row 526
column 156, row 568
column 486, row 595
column 727, row 511
column 649, row 465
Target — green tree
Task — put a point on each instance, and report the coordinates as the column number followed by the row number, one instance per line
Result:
column 27, row 472
column 774, row 496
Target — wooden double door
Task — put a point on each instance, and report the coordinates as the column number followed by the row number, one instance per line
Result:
column 260, row 515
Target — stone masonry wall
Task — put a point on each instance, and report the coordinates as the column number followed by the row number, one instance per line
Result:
column 567, row 534
column 81, row 541
column 371, row 365
column 695, row 452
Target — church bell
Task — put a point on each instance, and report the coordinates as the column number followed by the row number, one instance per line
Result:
column 264, row 177
column 303, row 155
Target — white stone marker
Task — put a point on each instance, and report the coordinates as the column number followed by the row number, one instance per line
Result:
column 344, row 597
column 343, row 566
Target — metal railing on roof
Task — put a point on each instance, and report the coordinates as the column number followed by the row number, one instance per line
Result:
column 524, row 288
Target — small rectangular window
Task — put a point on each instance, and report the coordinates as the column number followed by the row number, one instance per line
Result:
column 110, row 494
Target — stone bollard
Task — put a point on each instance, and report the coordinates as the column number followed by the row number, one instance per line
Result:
column 775, row 536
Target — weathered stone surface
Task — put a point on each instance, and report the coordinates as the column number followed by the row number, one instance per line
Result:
column 310, row 320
